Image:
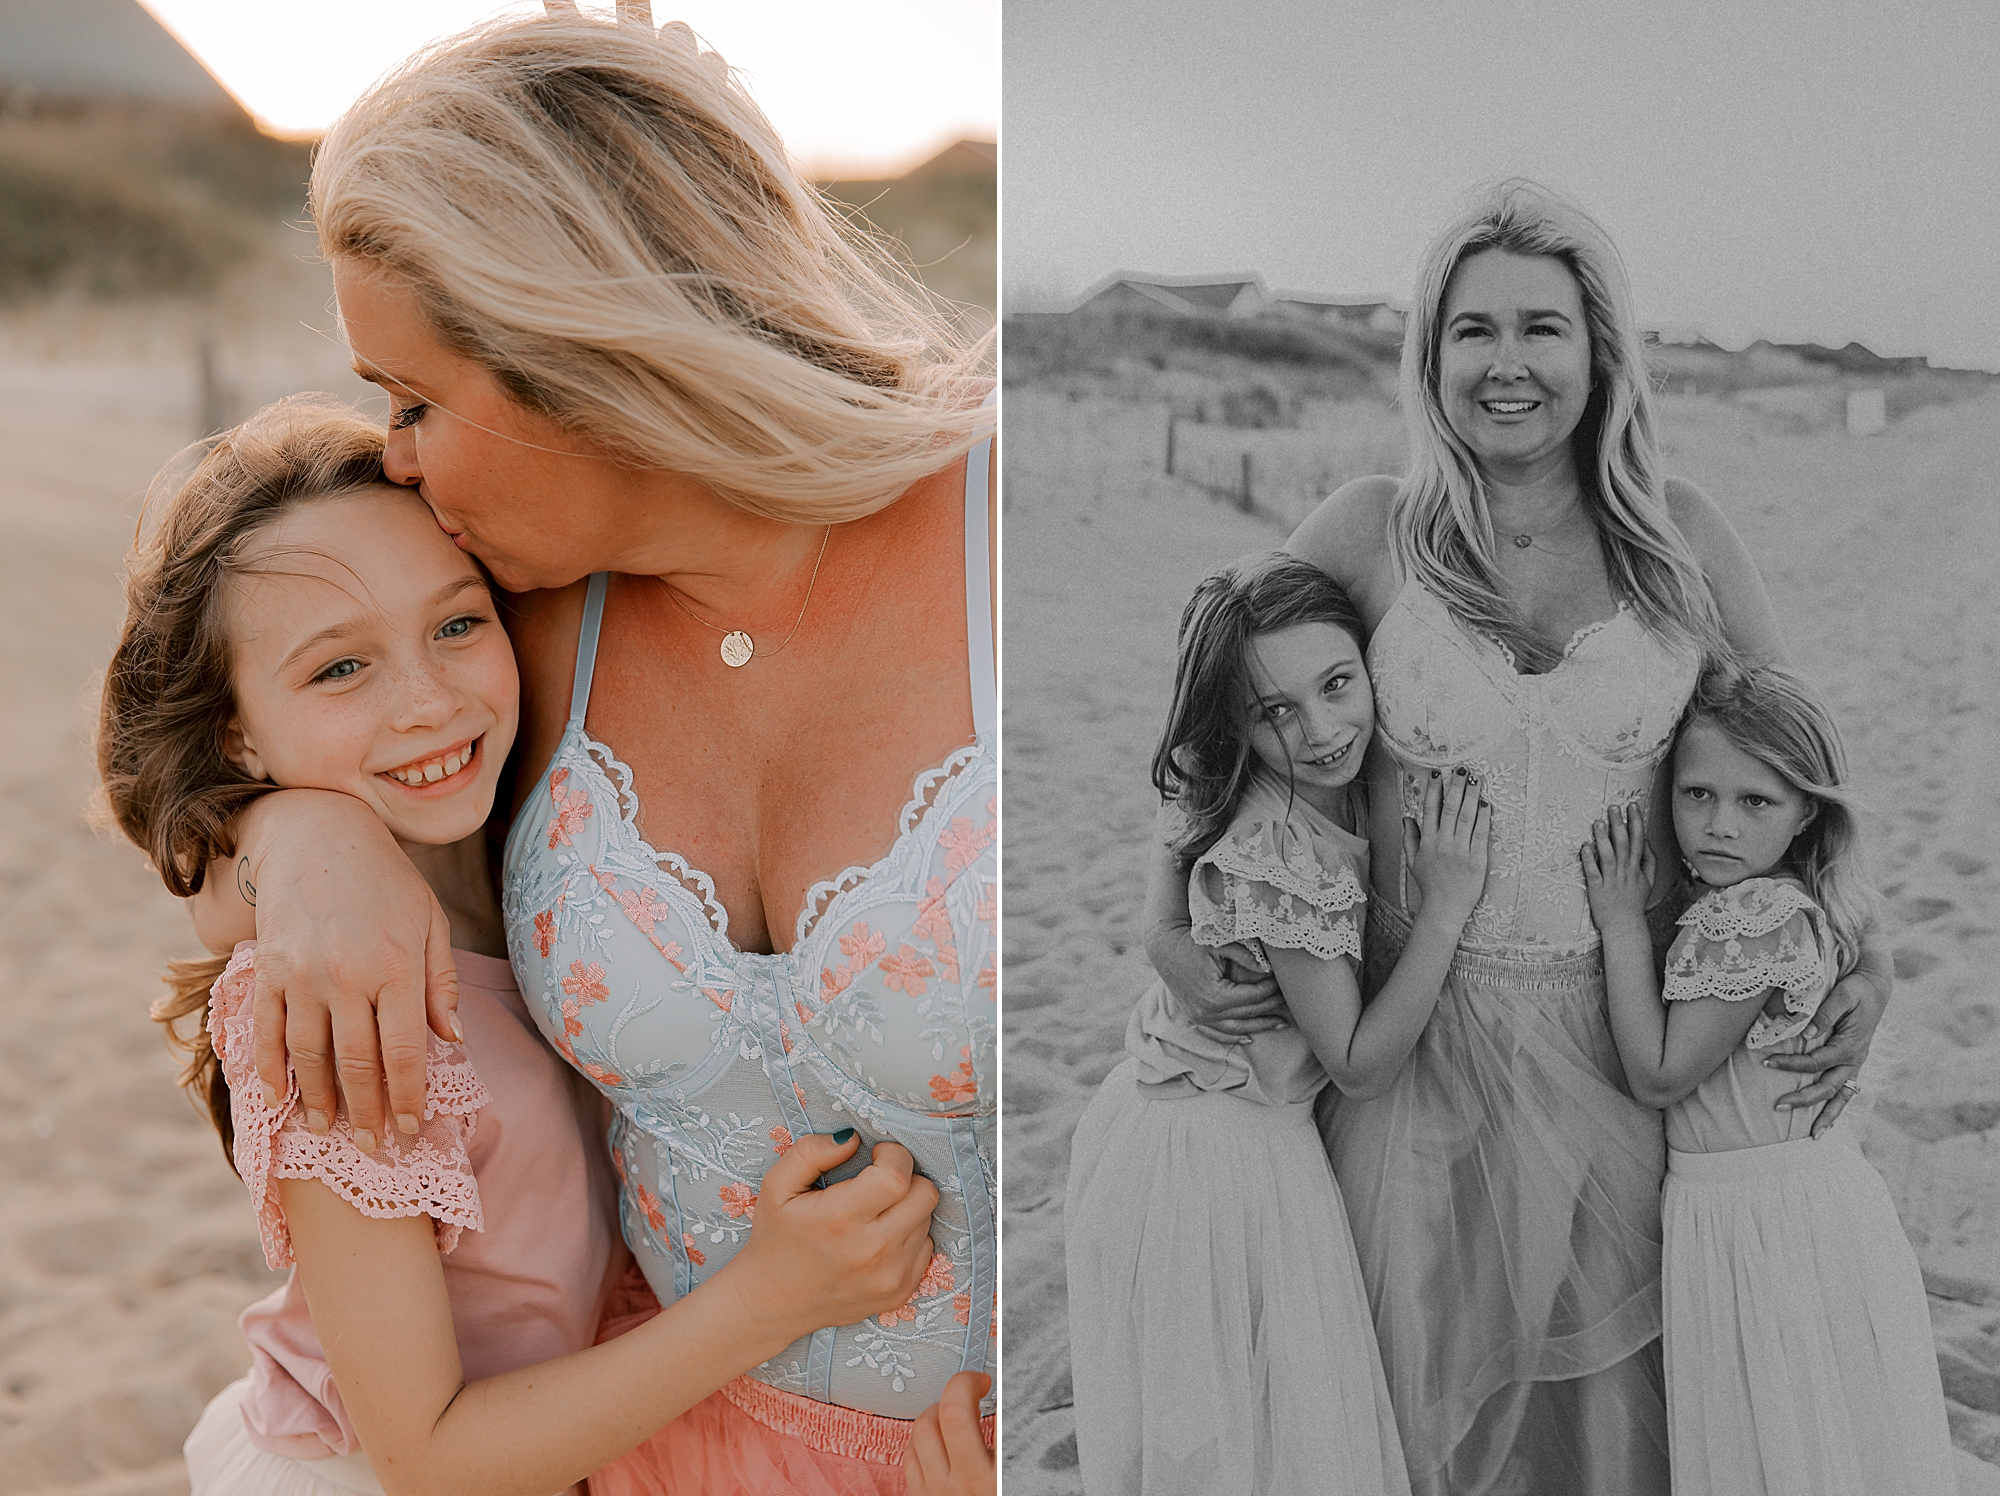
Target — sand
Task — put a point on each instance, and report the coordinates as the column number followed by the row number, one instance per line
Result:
column 127, row 1247
column 1878, row 554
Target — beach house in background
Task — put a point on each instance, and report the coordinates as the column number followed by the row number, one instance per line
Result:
column 1373, row 313
column 99, row 50
column 1187, row 295
column 1236, row 296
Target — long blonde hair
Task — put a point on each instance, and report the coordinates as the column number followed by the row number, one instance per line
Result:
column 1440, row 528
column 600, row 216
column 1781, row 722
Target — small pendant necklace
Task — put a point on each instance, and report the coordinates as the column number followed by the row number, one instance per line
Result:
column 738, row 648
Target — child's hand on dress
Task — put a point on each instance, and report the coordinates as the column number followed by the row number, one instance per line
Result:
column 1445, row 849
column 946, row 1455
column 1618, row 870
column 833, row 1256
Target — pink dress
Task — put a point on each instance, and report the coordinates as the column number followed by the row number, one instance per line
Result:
column 509, row 1167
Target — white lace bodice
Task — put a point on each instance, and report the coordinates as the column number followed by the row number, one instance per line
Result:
column 1553, row 752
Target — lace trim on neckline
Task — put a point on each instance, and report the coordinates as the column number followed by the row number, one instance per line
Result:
column 1576, row 641
column 820, row 897
column 924, row 792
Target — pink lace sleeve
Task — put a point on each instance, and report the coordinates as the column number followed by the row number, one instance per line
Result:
column 430, row 1174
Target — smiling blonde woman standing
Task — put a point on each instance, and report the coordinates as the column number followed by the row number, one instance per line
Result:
column 736, row 471
column 1539, row 598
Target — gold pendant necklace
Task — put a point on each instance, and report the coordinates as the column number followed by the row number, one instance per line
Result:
column 738, row 648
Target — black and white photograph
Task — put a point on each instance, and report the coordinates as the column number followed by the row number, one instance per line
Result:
column 1500, row 750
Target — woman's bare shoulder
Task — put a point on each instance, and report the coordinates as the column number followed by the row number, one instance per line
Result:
column 1347, row 536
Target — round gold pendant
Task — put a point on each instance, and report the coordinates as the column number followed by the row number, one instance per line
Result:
column 737, row 649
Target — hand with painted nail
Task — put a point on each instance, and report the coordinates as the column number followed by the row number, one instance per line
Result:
column 1445, row 848
column 836, row 1255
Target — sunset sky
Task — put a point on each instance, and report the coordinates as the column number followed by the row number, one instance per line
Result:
column 1799, row 172
column 859, row 87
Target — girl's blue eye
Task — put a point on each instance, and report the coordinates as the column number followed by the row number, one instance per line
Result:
column 408, row 416
column 458, row 628
column 1276, row 710
column 1694, row 792
column 1336, row 684
column 339, row 670
column 1755, row 802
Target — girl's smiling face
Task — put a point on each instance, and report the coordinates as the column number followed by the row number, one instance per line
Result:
column 1513, row 358
column 1311, row 708
column 367, row 658
column 1734, row 815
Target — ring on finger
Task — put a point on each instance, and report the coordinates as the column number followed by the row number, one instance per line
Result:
column 1851, row 1087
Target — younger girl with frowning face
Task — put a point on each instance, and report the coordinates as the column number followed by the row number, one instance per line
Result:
column 295, row 621
column 1799, row 1356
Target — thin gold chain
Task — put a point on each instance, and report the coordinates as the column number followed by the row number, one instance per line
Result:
column 759, row 654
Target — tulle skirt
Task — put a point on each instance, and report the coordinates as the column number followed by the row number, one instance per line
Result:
column 221, row 1460
column 1800, row 1359
column 1220, row 1340
column 719, row 1448
column 1505, row 1202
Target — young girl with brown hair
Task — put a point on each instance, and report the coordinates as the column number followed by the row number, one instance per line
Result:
column 295, row 621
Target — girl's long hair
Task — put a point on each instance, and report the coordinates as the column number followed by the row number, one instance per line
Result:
column 599, row 216
column 1440, row 527
column 168, row 701
column 1204, row 758
column 1781, row 722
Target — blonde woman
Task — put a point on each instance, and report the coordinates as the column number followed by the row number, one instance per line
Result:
column 1539, row 599
column 736, row 474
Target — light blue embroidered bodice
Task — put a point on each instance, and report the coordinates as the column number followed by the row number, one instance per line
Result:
column 881, row 1017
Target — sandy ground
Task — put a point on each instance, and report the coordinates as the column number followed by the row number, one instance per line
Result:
column 126, row 1245
column 1878, row 553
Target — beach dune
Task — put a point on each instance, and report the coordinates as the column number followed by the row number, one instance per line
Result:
column 1877, row 553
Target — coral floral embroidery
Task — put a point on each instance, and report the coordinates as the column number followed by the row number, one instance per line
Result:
column 958, row 1087
column 695, row 1254
column 781, row 1139
column 545, row 931
column 905, row 971
column 739, row 1201
column 937, row 1280
column 572, row 809
column 649, row 1206
column 962, row 844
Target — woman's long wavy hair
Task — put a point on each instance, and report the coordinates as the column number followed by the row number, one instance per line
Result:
column 168, row 700
column 1204, row 759
column 598, row 215
column 1440, row 527
column 1781, row 722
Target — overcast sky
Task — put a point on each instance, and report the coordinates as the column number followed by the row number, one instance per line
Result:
column 865, row 87
column 1818, row 172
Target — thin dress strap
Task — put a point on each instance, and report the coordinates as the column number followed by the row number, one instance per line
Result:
column 586, row 645
column 979, row 592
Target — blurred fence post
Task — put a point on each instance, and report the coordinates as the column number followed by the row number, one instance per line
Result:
column 1170, row 444
column 213, row 413
column 1246, row 482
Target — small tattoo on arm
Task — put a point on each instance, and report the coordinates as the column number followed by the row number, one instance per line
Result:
column 243, row 884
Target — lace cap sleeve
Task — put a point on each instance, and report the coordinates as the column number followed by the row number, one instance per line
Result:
column 430, row 1174
column 1741, row 942
column 1269, row 883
